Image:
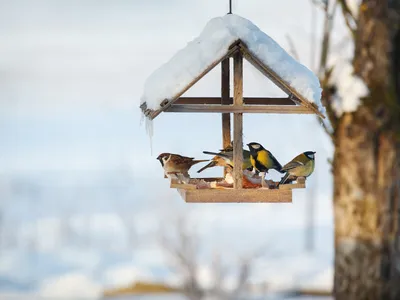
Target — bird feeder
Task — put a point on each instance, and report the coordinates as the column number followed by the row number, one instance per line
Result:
column 241, row 47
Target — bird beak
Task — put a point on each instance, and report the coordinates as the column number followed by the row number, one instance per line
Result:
column 314, row 152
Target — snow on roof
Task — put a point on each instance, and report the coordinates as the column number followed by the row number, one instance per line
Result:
column 211, row 45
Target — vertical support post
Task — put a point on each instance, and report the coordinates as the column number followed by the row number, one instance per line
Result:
column 225, row 100
column 238, row 121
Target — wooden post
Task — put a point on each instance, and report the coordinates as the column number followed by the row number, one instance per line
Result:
column 225, row 100
column 238, row 121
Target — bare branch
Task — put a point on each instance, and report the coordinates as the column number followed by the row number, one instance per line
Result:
column 328, row 27
column 323, row 4
column 351, row 21
column 183, row 244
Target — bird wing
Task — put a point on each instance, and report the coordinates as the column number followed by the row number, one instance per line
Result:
column 292, row 164
column 209, row 165
column 275, row 161
column 228, row 155
column 183, row 160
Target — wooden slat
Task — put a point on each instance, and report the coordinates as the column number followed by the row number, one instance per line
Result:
column 268, row 72
column 183, row 186
column 246, row 100
column 238, row 121
column 225, row 99
column 236, row 196
column 169, row 102
column 265, row 109
column 192, row 185
column 292, row 186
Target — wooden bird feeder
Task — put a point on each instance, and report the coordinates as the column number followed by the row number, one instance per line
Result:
column 294, row 103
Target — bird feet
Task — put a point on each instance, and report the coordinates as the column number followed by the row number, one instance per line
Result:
column 263, row 183
column 179, row 176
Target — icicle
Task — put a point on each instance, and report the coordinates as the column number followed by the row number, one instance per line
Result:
column 141, row 119
column 149, row 130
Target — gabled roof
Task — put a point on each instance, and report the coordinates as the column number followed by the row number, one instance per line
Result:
column 220, row 39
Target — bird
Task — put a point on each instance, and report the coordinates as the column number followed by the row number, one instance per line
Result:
column 262, row 160
column 301, row 166
column 225, row 159
column 177, row 164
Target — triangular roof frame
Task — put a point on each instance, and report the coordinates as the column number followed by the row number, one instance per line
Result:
column 240, row 46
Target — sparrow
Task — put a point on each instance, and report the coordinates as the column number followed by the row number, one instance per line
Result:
column 301, row 166
column 177, row 164
column 262, row 160
column 225, row 159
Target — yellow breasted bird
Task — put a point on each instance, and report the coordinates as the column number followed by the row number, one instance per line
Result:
column 225, row 159
column 262, row 160
column 301, row 166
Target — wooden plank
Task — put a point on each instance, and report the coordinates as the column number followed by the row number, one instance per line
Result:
column 264, row 109
column 236, row 196
column 292, row 186
column 225, row 99
column 169, row 102
column 183, row 186
column 268, row 72
column 238, row 121
column 246, row 100
column 194, row 180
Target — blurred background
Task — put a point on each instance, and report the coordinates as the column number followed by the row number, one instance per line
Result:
column 84, row 207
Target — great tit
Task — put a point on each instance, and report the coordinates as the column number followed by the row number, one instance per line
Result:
column 262, row 160
column 300, row 166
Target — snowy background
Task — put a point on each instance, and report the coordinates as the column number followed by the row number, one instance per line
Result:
column 82, row 194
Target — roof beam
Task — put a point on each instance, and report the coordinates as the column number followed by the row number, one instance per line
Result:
column 168, row 102
column 266, row 109
column 247, row 100
column 268, row 72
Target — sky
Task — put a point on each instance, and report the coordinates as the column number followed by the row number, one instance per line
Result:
column 73, row 142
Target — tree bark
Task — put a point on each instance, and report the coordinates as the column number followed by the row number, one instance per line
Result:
column 366, row 168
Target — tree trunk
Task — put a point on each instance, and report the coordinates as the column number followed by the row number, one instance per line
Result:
column 367, row 170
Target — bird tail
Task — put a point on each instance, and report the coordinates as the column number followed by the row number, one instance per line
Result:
column 199, row 161
column 217, row 154
column 284, row 178
column 210, row 165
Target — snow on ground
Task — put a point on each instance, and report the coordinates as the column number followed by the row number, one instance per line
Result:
column 211, row 45
column 70, row 286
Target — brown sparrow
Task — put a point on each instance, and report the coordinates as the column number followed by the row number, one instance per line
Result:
column 177, row 164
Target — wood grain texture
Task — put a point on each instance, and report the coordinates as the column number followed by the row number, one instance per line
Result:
column 292, row 186
column 236, row 196
column 238, row 121
column 246, row 100
column 225, row 100
column 261, row 109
